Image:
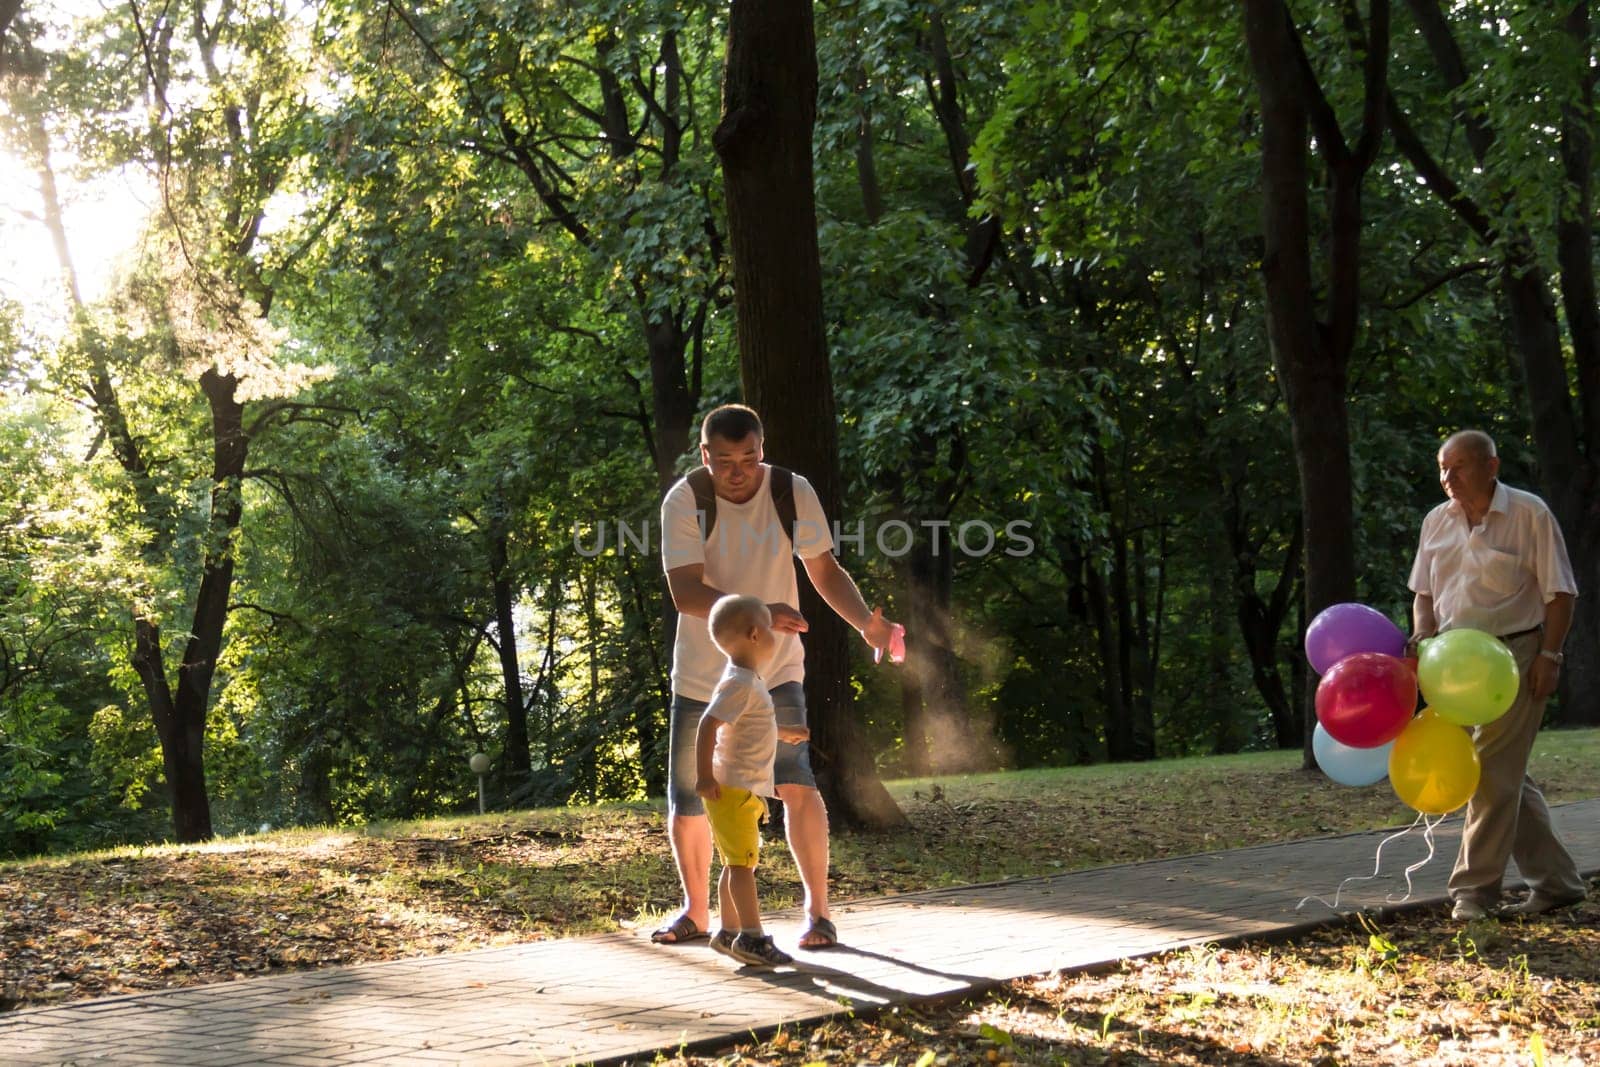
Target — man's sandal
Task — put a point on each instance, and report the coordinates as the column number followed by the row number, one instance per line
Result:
column 678, row 932
column 820, row 934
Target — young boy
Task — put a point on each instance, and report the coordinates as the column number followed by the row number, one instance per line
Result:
column 734, row 750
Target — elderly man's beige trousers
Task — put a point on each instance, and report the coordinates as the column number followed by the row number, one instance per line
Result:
column 1507, row 817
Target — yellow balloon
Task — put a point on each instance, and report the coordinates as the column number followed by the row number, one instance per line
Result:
column 1433, row 766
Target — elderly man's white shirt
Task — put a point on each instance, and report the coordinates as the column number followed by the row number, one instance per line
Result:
column 1496, row 576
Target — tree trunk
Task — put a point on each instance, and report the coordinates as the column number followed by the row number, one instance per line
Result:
column 179, row 715
column 1261, row 621
column 764, row 141
column 1566, row 445
column 191, row 807
column 1566, row 479
column 1135, row 646
column 1580, row 682
column 516, row 758
column 673, row 401
column 982, row 234
column 1312, row 354
column 1118, row 725
column 314, row 798
column 648, row 726
column 1227, row 732
column 589, row 770
column 866, row 158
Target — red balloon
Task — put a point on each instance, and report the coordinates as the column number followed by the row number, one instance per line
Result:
column 1366, row 700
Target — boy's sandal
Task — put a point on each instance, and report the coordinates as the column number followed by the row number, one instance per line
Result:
column 758, row 951
column 820, row 934
column 679, row 931
column 722, row 941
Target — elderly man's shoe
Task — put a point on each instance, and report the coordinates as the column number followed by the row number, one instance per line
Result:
column 1467, row 910
column 1539, row 903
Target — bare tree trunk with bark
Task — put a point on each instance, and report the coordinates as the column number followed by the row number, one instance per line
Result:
column 764, row 140
column 1311, row 345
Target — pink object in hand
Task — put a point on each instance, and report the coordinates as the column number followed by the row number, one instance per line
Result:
column 897, row 645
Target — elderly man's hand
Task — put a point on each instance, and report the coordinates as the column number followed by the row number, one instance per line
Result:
column 1546, row 676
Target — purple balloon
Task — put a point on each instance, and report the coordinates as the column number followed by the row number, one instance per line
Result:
column 1342, row 630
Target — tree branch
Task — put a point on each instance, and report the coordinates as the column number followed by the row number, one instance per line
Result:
column 1433, row 173
column 278, row 407
column 1324, row 122
column 275, row 616
column 1443, row 279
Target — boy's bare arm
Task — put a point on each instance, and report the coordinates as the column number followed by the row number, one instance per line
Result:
column 705, row 743
column 793, row 735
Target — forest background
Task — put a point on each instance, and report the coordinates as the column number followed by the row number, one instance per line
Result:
column 318, row 442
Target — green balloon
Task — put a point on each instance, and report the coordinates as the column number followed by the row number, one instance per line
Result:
column 1467, row 676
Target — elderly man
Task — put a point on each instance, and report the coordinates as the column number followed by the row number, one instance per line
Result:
column 1492, row 558
column 735, row 526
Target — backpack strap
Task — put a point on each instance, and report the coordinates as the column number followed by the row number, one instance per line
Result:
column 705, row 499
column 783, row 500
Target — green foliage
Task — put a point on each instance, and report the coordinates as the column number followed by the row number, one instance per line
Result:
column 472, row 259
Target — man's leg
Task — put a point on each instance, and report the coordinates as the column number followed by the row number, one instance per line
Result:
column 805, row 816
column 691, row 852
column 805, row 821
column 687, row 828
column 1495, row 815
column 1544, row 861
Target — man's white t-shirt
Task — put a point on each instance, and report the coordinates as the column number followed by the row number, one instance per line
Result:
column 747, row 553
column 746, row 748
column 1496, row 576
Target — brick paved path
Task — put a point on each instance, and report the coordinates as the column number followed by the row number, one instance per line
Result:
column 616, row 996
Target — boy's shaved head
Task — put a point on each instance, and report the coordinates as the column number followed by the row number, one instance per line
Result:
column 734, row 615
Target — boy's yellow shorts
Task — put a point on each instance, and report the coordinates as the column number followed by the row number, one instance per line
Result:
column 736, row 818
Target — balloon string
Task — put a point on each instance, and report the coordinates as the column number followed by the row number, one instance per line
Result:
column 1377, row 865
column 1428, row 826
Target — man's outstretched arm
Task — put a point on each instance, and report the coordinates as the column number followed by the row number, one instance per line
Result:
column 834, row 584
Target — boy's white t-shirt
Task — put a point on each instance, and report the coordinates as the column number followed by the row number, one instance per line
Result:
column 748, row 554
column 747, row 747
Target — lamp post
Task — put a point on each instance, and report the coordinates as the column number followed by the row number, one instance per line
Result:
column 480, row 763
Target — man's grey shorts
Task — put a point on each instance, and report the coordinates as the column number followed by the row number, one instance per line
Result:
column 792, row 767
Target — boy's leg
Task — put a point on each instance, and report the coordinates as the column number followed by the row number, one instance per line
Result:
column 741, row 892
column 727, row 907
column 735, row 819
column 687, row 828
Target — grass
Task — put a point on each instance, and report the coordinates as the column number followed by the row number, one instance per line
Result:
column 162, row 916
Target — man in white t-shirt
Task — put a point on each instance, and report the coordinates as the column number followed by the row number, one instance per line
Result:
column 747, row 551
column 1492, row 558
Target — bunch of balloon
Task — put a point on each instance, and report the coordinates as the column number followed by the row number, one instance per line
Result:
column 1468, row 678
column 1367, row 694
